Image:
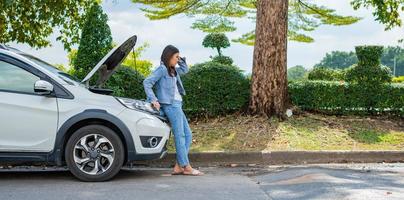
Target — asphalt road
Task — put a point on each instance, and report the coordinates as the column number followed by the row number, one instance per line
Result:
column 339, row 181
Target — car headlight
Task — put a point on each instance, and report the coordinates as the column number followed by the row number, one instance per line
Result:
column 137, row 105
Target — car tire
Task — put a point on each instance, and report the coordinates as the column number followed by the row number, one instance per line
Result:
column 94, row 153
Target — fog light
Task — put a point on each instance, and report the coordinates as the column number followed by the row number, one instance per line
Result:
column 153, row 142
column 150, row 141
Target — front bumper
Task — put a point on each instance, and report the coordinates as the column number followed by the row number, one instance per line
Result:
column 153, row 156
column 144, row 125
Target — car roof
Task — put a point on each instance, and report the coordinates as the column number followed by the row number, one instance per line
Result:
column 8, row 48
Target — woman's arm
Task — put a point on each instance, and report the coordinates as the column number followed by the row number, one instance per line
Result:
column 183, row 69
column 149, row 82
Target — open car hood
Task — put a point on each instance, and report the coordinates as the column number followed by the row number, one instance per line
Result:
column 110, row 62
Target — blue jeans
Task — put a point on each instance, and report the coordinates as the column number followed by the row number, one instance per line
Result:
column 181, row 130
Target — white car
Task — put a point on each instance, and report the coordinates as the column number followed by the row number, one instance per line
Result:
column 47, row 117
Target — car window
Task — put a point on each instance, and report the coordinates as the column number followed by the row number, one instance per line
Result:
column 64, row 76
column 13, row 78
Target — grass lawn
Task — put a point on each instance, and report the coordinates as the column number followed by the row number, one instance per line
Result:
column 305, row 131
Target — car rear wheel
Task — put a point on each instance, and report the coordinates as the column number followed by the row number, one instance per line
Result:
column 94, row 153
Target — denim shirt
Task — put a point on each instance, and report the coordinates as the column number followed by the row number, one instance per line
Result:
column 163, row 83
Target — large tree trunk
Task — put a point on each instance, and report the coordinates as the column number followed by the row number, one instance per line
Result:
column 269, row 95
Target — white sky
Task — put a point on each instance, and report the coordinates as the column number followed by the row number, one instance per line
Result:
column 125, row 19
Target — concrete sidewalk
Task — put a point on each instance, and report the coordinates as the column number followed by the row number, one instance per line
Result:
column 282, row 157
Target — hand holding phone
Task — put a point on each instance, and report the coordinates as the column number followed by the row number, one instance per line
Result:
column 183, row 59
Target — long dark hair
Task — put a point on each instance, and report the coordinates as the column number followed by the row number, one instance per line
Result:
column 167, row 54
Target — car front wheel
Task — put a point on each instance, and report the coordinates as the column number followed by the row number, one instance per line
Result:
column 94, row 153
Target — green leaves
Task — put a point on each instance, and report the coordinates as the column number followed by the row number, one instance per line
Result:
column 163, row 9
column 214, row 89
column 369, row 75
column 213, row 24
column 367, row 89
column 322, row 14
column 305, row 16
column 393, row 57
column 386, row 12
column 34, row 21
column 247, row 39
column 368, row 72
column 225, row 60
column 334, row 97
column 338, row 60
column 326, row 74
column 297, row 72
column 95, row 42
column 134, row 61
column 127, row 82
column 216, row 40
column 369, row 55
column 218, row 16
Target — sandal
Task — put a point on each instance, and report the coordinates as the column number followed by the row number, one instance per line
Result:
column 194, row 172
column 177, row 173
column 177, row 167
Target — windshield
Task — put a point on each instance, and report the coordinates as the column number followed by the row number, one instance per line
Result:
column 71, row 80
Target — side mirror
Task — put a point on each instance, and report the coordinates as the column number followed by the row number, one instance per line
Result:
column 43, row 87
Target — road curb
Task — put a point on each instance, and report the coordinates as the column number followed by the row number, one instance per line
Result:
column 282, row 157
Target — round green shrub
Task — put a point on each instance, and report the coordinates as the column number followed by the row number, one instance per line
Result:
column 213, row 89
column 217, row 41
column 326, row 74
column 225, row 60
column 127, row 82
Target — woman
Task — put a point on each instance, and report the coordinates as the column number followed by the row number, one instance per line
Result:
column 169, row 91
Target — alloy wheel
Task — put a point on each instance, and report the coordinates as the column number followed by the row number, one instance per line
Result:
column 93, row 154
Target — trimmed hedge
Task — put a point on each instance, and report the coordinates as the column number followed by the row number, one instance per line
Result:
column 335, row 97
column 369, row 55
column 214, row 89
column 368, row 71
column 127, row 82
column 368, row 74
